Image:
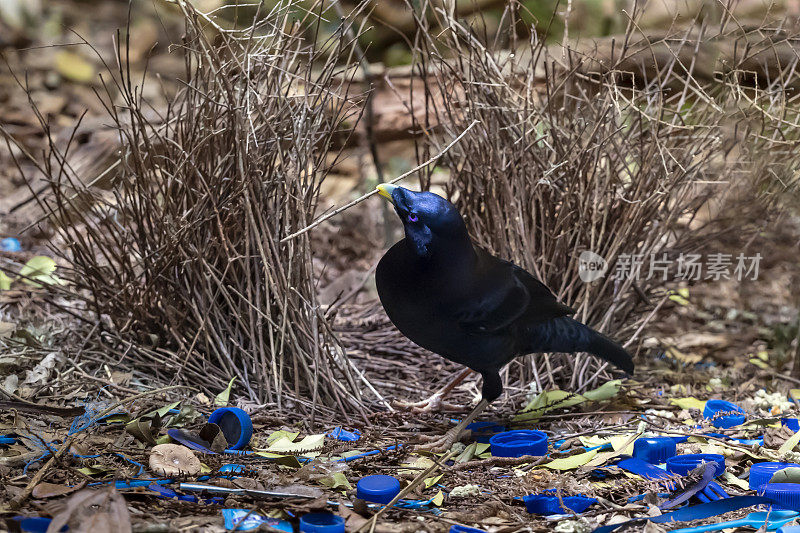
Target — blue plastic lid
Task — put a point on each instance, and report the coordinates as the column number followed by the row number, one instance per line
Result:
column 761, row 473
column 654, row 449
column 518, row 443
column 457, row 528
column 786, row 495
column 547, row 505
column 482, row 431
column 683, row 464
column 723, row 414
column 235, row 425
column 321, row 523
column 378, row 488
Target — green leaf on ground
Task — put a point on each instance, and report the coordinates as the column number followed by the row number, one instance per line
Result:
column 223, row 397
column 559, row 399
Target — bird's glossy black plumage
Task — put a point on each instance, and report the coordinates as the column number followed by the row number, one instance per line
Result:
column 457, row 300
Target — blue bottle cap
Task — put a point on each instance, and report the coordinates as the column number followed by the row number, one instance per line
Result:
column 761, row 473
column 791, row 423
column 654, row 450
column 235, row 425
column 482, row 431
column 321, row 523
column 457, row 528
column 683, row 464
column 785, row 495
column 723, row 414
column 378, row 488
column 547, row 505
column 518, row 443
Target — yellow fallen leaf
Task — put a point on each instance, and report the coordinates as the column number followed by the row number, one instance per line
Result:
column 438, row 499
column 572, row 462
column 74, row 67
column 309, row 442
column 5, row 281
column 730, row 479
column 431, row 481
column 688, row 403
column 790, row 443
column 275, row 435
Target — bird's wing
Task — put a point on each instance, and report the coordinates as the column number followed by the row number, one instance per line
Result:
column 543, row 305
column 506, row 294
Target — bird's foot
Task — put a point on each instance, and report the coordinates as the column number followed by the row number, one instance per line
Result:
column 429, row 405
column 440, row 444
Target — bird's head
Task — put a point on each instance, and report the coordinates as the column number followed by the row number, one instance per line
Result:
column 429, row 220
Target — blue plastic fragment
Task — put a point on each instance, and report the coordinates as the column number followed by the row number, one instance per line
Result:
column 7, row 440
column 231, row 469
column 545, row 504
column 791, row 423
column 642, row 468
column 344, row 435
column 244, row 520
column 165, row 492
column 10, row 244
column 724, row 414
column 483, row 430
column 695, row 512
column 457, row 528
column 120, row 485
column 367, row 454
column 35, row 524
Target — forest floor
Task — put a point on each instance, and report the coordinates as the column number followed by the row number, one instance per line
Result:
column 72, row 420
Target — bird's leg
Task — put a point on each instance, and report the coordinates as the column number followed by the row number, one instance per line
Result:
column 444, row 442
column 434, row 403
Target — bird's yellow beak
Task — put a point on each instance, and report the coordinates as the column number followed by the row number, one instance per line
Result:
column 386, row 190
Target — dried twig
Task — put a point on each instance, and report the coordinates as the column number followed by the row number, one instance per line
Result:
column 363, row 197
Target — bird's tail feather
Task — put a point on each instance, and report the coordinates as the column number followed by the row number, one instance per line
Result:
column 612, row 352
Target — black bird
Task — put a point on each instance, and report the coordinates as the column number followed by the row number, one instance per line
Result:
column 459, row 301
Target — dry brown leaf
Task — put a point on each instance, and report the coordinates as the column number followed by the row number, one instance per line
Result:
column 94, row 511
column 51, row 490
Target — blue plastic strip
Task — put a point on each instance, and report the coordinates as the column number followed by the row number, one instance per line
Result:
column 696, row 512
column 367, row 454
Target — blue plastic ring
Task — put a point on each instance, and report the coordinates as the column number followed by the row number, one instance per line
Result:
column 235, row 425
column 518, row 443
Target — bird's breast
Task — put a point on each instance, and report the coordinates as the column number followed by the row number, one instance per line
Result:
column 418, row 302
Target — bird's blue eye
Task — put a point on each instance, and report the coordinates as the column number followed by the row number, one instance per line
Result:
column 412, row 217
